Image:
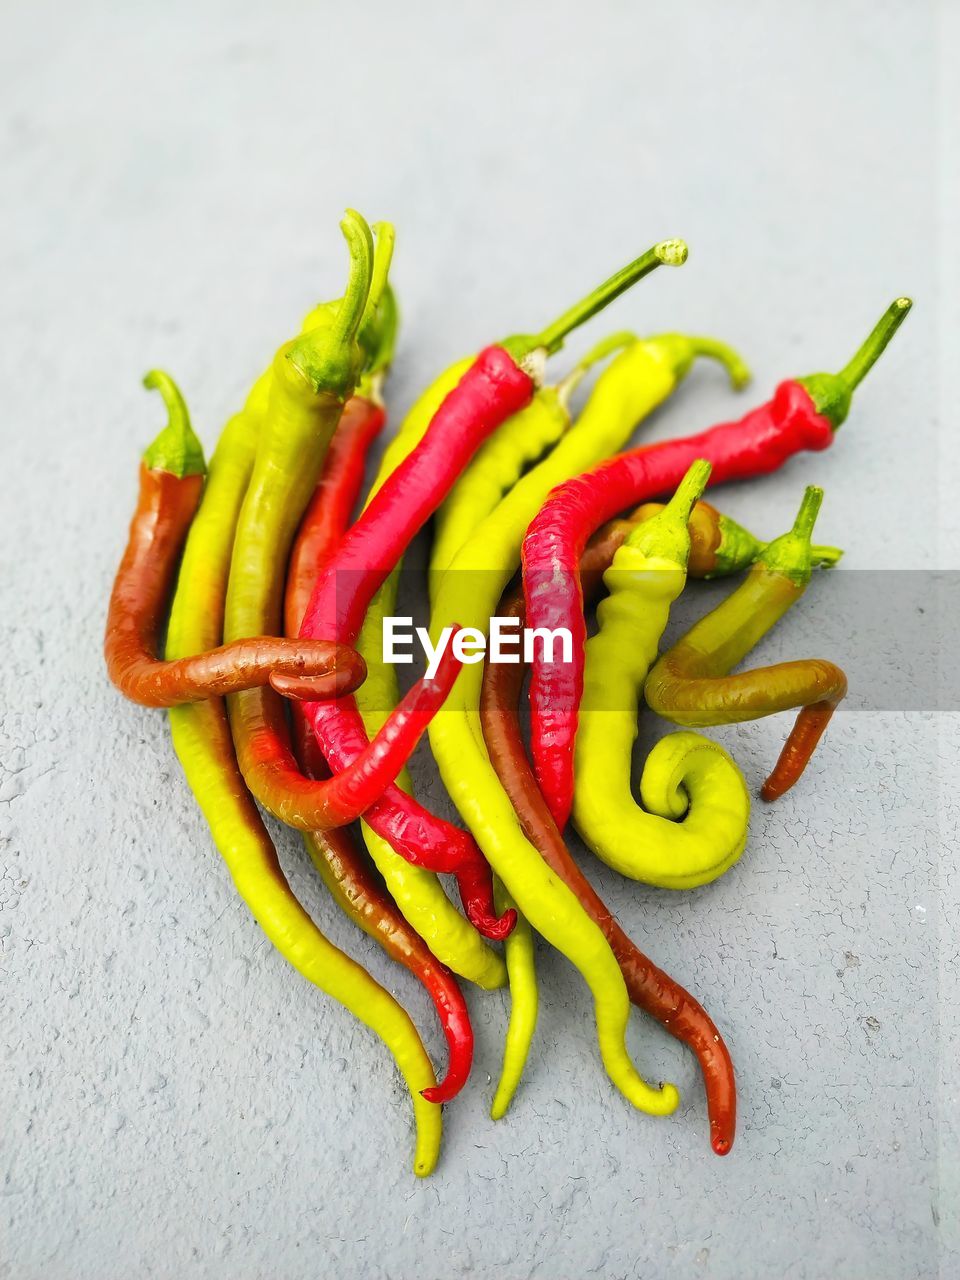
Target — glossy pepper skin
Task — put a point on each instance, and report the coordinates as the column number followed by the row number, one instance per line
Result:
column 501, row 460
column 329, row 510
column 201, row 737
column 718, row 544
column 685, row 776
column 691, row 685
column 417, row 892
column 498, row 384
column 312, row 378
column 803, row 414
column 334, row 853
column 494, row 468
column 171, row 485
column 486, row 483
column 635, row 382
column 492, row 389
column 649, row 988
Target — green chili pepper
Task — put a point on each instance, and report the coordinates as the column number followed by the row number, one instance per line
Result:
column 690, row 683
column 719, row 546
column 685, row 774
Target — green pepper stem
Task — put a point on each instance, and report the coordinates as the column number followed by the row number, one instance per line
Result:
column 177, row 448
column 733, row 363
column 328, row 358
column 382, row 257
column 689, row 491
column 871, row 350
column 807, row 515
column 832, row 393
column 352, row 308
column 791, row 555
column 605, row 347
column 383, row 334
column 671, row 253
column 666, row 535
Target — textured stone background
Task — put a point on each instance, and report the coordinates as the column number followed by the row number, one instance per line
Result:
column 176, row 1102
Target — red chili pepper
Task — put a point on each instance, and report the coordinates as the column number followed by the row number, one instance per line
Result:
column 492, row 390
column 335, row 853
column 171, row 483
column 501, row 381
column 803, row 414
column 326, row 518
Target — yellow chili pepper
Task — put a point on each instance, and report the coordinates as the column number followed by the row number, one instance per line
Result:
column 203, row 742
column 201, row 738
column 524, row 436
column 639, row 379
column 524, row 1003
column 686, row 776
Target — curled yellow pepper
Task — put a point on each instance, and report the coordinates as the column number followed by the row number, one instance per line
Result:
column 697, row 802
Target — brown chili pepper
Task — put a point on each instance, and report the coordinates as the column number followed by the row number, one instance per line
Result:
column 171, row 483
column 650, row 989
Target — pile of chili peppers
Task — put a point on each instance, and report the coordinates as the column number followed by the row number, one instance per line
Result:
column 267, row 602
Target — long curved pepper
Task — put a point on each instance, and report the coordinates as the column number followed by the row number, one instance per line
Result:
column 685, row 776
column 691, row 684
column 499, row 383
column 428, row 841
column 417, row 892
column 171, row 485
column 334, row 853
column 293, row 794
column 632, row 387
column 649, row 987
column 719, row 546
column 634, row 383
column 803, row 414
column 519, row 950
column 493, row 472
column 313, row 376
column 201, row 737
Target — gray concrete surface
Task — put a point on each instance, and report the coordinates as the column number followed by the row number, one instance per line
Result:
column 176, row 1102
